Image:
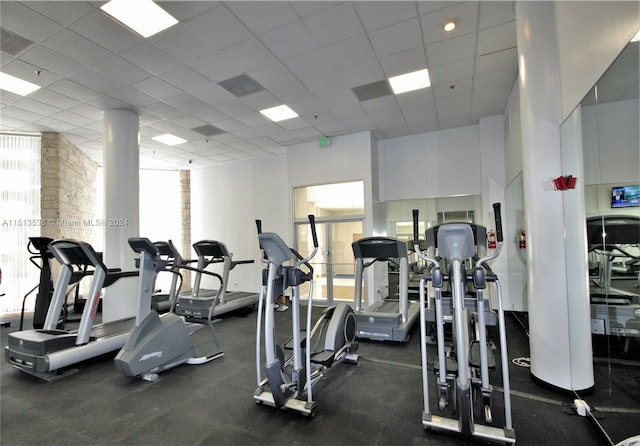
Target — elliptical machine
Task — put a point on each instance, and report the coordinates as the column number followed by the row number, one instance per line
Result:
column 157, row 342
column 289, row 379
column 463, row 376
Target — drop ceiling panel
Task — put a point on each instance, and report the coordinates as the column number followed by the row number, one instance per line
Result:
column 497, row 38
column 376, row 15
column 149, row 57
column 349, row 52
column 76, row 47
column 495, row 13
column 306, row 54
column 103, row 30
column 218, row 28
column 289, row 40
column 261, row 16
column 23, row 20
column 451, row 50
column 404, row 62
column 466, row 17
column 49, row 60
column 396, row 38
column 334, row 24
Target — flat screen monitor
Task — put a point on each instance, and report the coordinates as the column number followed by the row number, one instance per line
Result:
column 625, row 196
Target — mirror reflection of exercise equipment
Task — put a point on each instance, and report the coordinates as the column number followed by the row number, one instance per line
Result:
column 614, row 276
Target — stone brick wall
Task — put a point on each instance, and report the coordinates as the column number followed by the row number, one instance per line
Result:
column 68, row 190
column 185, row 211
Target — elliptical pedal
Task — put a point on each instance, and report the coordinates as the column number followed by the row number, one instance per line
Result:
column 474, row 355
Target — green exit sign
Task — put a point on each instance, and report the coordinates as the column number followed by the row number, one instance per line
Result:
column 324, row 141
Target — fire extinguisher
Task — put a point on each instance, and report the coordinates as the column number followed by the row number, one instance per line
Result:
column 491, row 240
column 522, row 239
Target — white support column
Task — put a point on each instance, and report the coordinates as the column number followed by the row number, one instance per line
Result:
column 122, row 210
column 554, row 337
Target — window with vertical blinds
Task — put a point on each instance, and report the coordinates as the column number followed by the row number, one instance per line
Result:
column 19, row 217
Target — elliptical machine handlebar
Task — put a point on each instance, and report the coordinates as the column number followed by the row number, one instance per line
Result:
column 416, row 244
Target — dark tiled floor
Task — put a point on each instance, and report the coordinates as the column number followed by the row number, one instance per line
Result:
column 377, row 402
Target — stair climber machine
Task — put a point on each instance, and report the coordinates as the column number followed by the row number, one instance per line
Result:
column 172, row 260
column 311, row 352
column 48, row 353
column 158, row 342
column 386, row 319
column 462, row 373
column 196, row 303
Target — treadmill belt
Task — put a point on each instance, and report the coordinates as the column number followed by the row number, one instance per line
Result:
column 113, row 328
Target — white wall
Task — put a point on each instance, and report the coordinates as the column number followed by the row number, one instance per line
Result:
column 225, row 202
column 590, row 36
column 435, row 164
column 610, row 139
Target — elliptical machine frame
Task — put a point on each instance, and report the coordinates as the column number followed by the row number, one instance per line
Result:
column 289, row 380
column 456, row 242
column 159, row 342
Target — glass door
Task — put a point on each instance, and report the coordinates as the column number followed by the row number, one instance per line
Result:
column 334, row 264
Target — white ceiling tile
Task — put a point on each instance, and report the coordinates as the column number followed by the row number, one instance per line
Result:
column 211, row 115
column 30, row 73
column 465, row 14
column 234, row 108
column 262, row 16
column 132, row 96
column 218, row 67
column 249, row 55
column 333, row 24
column 260, row 100
column 186, row 102
column 380, row 104
column 121, row 70
column 497, row 38
column 51, row 97
column 157, row 88
column 63, row 13
column 252, row 120
column 103, row 30
column 76, row 47
column 495, row 13
column 293, row 124
column 349, row 52
column 162, row 109
column 451, row 50
column 404, row 62
column 422, row 98
column 26, row 22
column 148, row 57
column 306, row 8
column 180, row 43
column 74, row 90
column 451, row 72
column 55, row 125
column 218, row 28
column 273, row 75
column 183, row 78
column 96, row 80
column 496, row 79
column 36, row 107
column 396, row 38
column 361, row 74
column 462, row 87
column 289, row 40
column 313, row 63
column 182, row 10
column 87, row 110
column 72, row 118
column 19, row 114
column 49, row 60
column 377, row 14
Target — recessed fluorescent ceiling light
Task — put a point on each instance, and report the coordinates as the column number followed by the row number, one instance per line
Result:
column 410, row 81
column 169, row 139
column 142, row 16
column 15, row 85
column 636, row 38
column 449, row 25
column 279, row 113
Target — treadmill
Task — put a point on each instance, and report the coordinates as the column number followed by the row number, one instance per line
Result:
column 197, row 303
column 614, row 283
column 48, row 353
column 387, row 319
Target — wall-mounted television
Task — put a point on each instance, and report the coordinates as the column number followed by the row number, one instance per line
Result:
column 625, row 196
